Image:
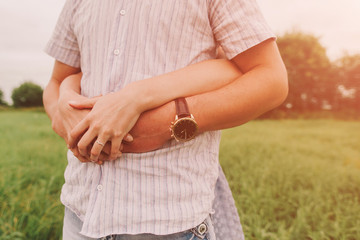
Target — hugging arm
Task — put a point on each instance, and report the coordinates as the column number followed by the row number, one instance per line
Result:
column 52, row 98
column 262, row 87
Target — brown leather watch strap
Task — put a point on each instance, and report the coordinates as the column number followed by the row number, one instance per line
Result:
column 182, row 109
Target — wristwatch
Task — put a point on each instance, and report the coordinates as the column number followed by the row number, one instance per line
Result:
column 184, row 128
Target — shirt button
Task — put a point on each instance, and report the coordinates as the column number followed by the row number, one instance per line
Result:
column 202, row 228
column 116, row 51
column 99, row 187
column 122, row 12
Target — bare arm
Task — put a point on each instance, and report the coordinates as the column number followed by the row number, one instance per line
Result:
column 51, row 96
column 51, row 91
column 262, row 87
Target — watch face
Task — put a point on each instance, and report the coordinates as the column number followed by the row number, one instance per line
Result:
column 185, row 129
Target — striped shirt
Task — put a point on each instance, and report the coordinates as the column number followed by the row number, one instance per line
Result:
column 116, row 42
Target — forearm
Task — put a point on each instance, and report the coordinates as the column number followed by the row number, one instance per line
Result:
column 194, row 79
column 51, row 91
column 232, row 105
column 263, row 87
column 251, row 95
column 50, row 98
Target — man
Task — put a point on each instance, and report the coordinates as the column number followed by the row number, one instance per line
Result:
column 169, row 191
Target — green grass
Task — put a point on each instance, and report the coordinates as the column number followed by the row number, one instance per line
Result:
column 31, row 174
column 291, row 179
column 295, row 179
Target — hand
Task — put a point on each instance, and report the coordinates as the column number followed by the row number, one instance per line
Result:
column 150, row 132
column 83, row 104
column 67, row 117
column 111, row 118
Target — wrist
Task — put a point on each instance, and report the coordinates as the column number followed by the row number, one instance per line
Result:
column 139, row 94
column 156, row 121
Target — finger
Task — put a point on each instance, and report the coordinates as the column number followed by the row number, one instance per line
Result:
column 120, row 151
column 77, row 131
column 82, row 159
column 103, row 157
column 107, row 148
column 115, row 148
column 86, row 103
column 96, row 149
column 85, row 142
column 88, row 149
column 78, row 155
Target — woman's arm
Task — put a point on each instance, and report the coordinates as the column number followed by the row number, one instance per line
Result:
column 194, row 79
column 263, row 86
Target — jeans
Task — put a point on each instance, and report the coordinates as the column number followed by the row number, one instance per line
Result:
column 72, row 227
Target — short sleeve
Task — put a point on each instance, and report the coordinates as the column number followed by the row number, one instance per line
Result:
column 63, row 44
column 238, row 25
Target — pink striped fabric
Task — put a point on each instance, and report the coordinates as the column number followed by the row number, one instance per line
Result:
column 116, row 42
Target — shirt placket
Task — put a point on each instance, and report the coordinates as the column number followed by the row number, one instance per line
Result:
column 117, row 48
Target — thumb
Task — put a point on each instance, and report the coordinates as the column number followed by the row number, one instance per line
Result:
column 86, row 103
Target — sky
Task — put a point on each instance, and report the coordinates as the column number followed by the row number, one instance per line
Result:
column 26, row 26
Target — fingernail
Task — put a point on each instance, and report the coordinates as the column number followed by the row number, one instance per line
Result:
column 129, row 138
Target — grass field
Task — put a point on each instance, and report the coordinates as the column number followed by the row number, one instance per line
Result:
column 291, row 179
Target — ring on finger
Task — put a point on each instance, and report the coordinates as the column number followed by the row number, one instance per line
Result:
column 100, row 143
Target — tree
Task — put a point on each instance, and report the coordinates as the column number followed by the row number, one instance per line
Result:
column 27, row 95
column 2, row 101
column 309, row 71
column 348, row 68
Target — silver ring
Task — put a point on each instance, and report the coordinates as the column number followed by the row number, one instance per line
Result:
column 100, row 143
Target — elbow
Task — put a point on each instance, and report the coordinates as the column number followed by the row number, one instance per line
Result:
column 283, row 86
column 280, row 87
column 47, row 94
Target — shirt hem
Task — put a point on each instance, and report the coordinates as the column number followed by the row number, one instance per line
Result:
column 137, row 233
